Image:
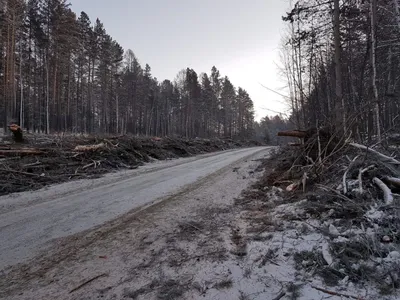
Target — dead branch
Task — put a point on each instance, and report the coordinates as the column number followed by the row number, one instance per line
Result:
column 32, row 164
column 83, row 148
column 336, row 293
column 86, row 282
column 280, row 295
column 193, row 226
column 393, row 180
column 387, row 193
column 337, row 193
column 384, row 157
column 95, row 163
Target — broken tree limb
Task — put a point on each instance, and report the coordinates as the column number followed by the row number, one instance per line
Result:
column 83, row 148
column 384, row 157
column 95, row 163
column 387, row 193
column 336, row 293
column 280, row 295
column 393, row 180
column 86, row 282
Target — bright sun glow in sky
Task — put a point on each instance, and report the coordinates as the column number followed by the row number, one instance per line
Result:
column 240, row 38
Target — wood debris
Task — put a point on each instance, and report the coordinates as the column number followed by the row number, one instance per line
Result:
column 83, row 148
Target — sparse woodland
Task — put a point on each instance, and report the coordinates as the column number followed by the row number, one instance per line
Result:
column 341, row 60
column 63, row 73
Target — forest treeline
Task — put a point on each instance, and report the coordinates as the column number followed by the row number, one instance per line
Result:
column 61, row 72
column 341, row 60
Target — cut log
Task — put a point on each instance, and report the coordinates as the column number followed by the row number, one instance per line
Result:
column 293, row 133
column 324, row 132
column 83, row 148
column 17, row 132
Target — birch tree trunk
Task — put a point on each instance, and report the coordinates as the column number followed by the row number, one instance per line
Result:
column 339, row 104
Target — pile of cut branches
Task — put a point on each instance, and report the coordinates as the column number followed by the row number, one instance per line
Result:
column 350, row 193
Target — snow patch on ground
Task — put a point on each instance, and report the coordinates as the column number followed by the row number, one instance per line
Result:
column 298, row 247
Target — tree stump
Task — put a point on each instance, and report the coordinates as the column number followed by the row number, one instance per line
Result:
column 17, row 132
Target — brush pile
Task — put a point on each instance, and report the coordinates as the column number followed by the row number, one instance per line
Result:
column 43, row 160
column 347, row 193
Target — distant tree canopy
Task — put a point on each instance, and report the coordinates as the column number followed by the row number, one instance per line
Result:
column 266, row 130
column 60, row 72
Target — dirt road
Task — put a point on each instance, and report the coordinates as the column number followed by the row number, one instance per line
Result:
column 30, row 222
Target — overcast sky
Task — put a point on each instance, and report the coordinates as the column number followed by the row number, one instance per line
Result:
column 241, row 38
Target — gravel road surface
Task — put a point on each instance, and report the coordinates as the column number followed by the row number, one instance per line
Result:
column 30, row 222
